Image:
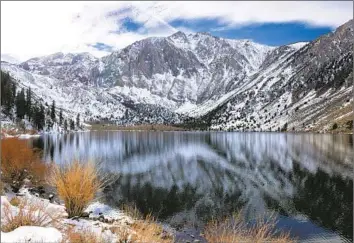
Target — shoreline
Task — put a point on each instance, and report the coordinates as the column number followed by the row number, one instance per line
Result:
column 100, row 220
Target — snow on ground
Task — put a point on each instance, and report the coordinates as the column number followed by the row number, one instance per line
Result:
column 98, row 209
column 27, row 234
column 100, row 222
column 298, row 45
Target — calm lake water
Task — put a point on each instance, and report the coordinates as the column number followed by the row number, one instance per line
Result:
column 185, row 178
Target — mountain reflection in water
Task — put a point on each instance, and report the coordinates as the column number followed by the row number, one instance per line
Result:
column 186, row 178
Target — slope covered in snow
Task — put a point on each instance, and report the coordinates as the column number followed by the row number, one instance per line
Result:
column 229, row 84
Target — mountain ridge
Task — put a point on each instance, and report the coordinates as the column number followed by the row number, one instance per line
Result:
column 195, row 75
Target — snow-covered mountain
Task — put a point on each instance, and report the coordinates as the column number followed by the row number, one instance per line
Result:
column 228, row 83
column 307, row 88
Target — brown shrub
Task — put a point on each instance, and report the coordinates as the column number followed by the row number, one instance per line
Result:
column 131, row 210
column 29, row 213
column 234, row 230
column 81, row 236
column 19, row 161
column 77, row 184
column 122, row 232
column 148, row 230
column 15, row 201
column 2, row 190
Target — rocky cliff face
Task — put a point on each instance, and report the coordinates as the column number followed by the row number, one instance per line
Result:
column 299, row 89
column 230, row 84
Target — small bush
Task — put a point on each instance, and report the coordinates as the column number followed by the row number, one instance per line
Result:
column 19, row 161
column 77, row 184
column 234, row 229
column 335, row 126
column 132, row 211
column 122, row 232
column 148, row 230
column 82, row 236
column 28, row 213
column 15, row 201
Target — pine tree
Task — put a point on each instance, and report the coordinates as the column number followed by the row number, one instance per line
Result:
column 60, row 117
column 8, row 93
column 65, row 125
column 41, row 117
column 52, row 112
column 49, row 123
column 78, row 120
column 29, row 103
column 21, row 104
column 72, row 125
column 38, row 116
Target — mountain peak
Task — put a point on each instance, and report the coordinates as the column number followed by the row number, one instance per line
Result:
column 179, row 33
column 203, row 33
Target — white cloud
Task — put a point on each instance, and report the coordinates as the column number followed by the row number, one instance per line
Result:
column 31, row 29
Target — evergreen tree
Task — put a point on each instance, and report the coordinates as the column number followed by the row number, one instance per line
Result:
column 47, row 112
column 60, row 117
column 78, row 120
column 21, row 104
column 285, row 127
column 35, row 116
column 65, row 125
column 29, row 103
column 49, row 123
column 52, row 112
column 8, row 93
column 38, row 116
column 41, row 117
column 72, row 125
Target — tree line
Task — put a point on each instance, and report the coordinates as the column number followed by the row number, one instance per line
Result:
column 19, row 105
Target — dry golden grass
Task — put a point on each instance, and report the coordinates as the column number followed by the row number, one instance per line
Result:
column 234, row 230
column 15, row 201
column 16, row 132
column 2, row 190
column 77, row 184
column 28, row 213
column 122, row 233
column 148, row 230
column 81, row 236
column 11, row 132
column 132, row 211
column 19, row 161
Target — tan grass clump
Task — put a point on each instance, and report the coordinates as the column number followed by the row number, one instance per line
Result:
column 82, row 236
column 77, row 184
column 28, row 213
column 19, row 161
column 148, row 230
column 132, row 211
column 15, row 201
column 234, row 230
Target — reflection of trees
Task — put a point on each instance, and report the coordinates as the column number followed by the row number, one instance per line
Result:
column 326, row 200
column 164, row 203
column 194, row 176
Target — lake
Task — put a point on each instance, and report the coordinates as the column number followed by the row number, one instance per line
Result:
column 186, row 178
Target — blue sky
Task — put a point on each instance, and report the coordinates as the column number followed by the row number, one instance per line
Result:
column 273, row 34
column 103, row 27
